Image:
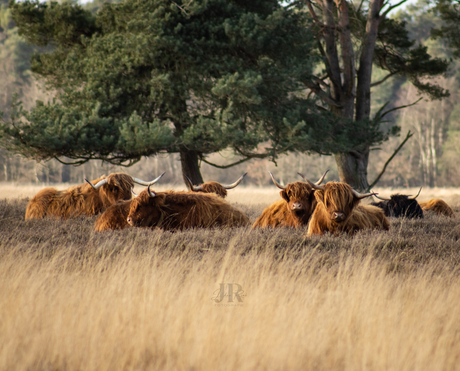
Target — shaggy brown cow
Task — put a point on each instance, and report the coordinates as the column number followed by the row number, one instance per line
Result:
column 83, row 199
column 213, row 187
column 181, row 210
column 437, row 206
column 115, row 217
column 338, row 211
column 295, row 208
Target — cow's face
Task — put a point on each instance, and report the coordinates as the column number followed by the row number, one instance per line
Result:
column 118, row 188
column 339, row 201
column 145, row 210
column 300, row 198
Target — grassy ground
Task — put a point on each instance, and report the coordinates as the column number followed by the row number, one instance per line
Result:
column 137, row 299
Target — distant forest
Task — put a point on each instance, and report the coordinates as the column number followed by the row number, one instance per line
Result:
column 429, row 158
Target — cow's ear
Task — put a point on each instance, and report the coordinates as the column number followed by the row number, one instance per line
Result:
column 284, row 195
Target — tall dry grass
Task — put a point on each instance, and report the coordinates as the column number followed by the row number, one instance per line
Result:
column 139, row 299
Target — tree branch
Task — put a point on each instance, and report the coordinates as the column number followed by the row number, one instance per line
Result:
column 233, row 164
column 397, row 108
column 320, row 93
column 409, row 134
column 179, row 7
column 384, row 79
column 390, row 8
column 314, row 16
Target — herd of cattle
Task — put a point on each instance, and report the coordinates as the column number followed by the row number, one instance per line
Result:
column 332, row 207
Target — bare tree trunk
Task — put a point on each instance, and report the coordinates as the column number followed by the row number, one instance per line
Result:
column 190, row 165
column 352, row 167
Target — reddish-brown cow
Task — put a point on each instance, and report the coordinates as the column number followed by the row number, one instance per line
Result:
column 182, row 210
column 437, row 206
column 213, row 187
column 83, row 199
column 115, row 217
column 295, row 208
column 338, row 211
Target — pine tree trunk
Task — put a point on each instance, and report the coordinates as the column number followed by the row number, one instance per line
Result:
column 352, row 167
column 190, row 165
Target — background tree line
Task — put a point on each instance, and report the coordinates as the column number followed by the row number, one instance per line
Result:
column 428, row 158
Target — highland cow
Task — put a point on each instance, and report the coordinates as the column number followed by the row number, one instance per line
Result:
column 437, row 206
column 182, row 210
column 295, row 208
column 338, row 211
column 115, row 217
column 83, row 199
column 400, row 206
column 213, row 187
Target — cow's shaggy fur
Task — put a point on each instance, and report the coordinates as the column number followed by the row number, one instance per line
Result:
column 115, row 217
column 294, row 210
column 338, row 211
column 437, row 206
column 81, row 199
column 400, row 206
column 182, row 210
column 213, row 187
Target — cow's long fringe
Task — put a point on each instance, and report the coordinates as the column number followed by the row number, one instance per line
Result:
column 339, row 197
column 279, row 214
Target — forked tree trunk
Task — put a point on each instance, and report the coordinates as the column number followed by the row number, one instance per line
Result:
column 353, row 99
column 190, row 165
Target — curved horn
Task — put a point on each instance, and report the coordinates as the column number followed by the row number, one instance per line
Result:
column 314, row 185
column 233, row 185
column 322, row 178
column 382, row 198
column 151, row 193
column 134, row 193
column 413, row 198
column 191, row 186
column 362, row 195
column 98, row 184
column 144, row 183
column 276, row 183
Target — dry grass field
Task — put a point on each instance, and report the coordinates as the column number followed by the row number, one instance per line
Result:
column 228, row 299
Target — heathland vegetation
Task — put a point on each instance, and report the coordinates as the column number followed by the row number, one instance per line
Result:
column 231, row 298
column 143, row 299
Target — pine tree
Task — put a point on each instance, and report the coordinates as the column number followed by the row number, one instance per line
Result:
column 144, row 77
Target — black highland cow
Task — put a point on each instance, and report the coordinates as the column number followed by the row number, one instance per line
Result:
column 400, row 206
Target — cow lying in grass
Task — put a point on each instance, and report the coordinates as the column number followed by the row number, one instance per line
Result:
column 182, row 210
column 83, row 199
column 115, row 217
column 293, row 210
column 400, row 206
column 338, row 210
column 437, row 206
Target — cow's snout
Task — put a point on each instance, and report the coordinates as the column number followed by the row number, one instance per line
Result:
column 297, row 206
column 129, row 220
column 337, row 216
